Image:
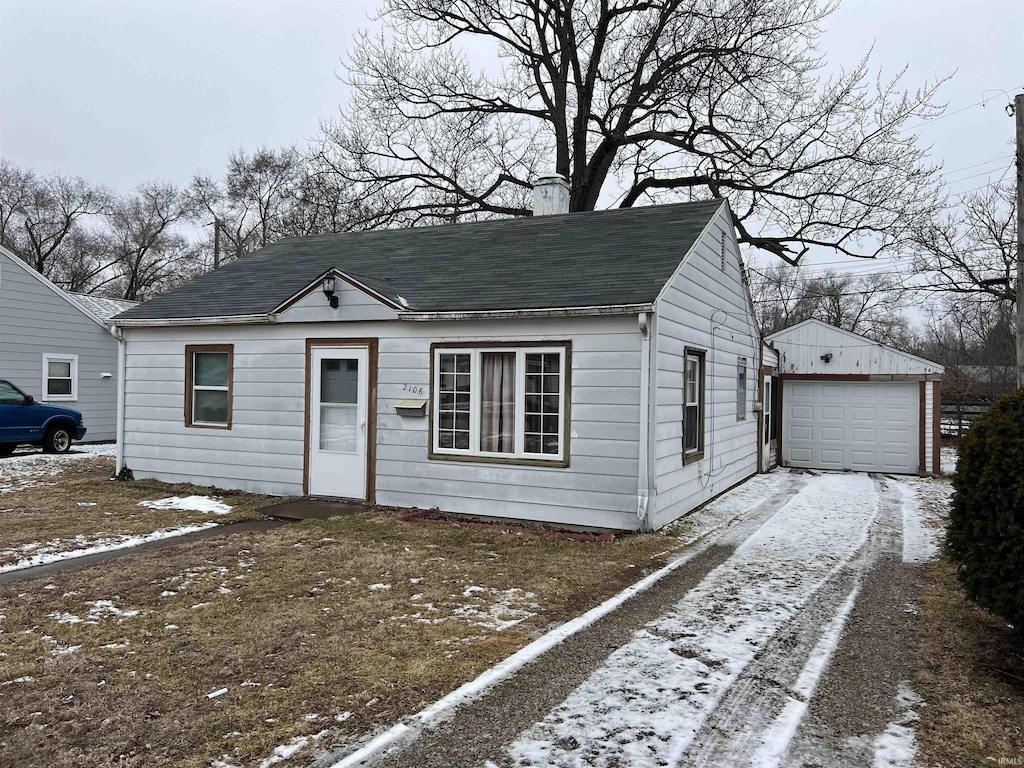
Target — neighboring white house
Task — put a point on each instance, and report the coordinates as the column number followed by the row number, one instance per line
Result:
column 595, row 369
column 851, row 403
column 57, row 346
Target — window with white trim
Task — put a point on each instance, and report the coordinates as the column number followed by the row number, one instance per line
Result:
column 60, row 377
column 693, row 404
column 741, row 389
column 500, row 403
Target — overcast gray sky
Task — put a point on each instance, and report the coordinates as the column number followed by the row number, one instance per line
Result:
column 124, row 92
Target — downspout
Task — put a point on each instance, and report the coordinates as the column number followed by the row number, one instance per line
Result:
column 118, row 334
column 643, row 493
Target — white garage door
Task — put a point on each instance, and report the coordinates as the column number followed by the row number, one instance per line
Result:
column 863, row 426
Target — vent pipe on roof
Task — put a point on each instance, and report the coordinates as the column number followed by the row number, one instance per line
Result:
column 550, row 195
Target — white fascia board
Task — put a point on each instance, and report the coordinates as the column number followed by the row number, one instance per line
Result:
column 263, row 319
column 506, row 314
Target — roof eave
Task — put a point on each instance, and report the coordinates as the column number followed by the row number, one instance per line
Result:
column 506, row 314
column 144, row 322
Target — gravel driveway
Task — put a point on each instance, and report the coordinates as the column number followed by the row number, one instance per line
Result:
column 784, row 640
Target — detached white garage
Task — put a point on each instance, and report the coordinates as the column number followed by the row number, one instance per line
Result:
column 850, row 403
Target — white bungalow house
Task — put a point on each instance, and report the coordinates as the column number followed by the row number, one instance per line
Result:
column 57, row 346
column 594, row 369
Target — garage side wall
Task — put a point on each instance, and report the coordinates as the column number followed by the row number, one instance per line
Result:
column 705, row 307
column 264, row 449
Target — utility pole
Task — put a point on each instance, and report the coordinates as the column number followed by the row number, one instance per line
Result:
column 216, row 248
column 1018, row 113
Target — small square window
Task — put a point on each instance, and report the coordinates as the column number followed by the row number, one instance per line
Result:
column 60, row 377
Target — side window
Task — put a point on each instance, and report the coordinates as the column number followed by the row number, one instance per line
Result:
column 741, row 389
column 9, row 395
column 60, row 377
column 693, row 404
column 208, row 385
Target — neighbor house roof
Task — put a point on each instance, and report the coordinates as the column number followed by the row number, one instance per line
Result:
column 594, row 259
column 101, row 306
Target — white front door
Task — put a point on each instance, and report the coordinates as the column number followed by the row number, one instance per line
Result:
column 337, row 415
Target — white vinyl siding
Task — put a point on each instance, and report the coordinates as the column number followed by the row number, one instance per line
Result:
column 263, row 451
column 705, row 309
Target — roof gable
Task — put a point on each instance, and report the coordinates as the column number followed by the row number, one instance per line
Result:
column 13, row 259
column 801, row 345
column 595, row 259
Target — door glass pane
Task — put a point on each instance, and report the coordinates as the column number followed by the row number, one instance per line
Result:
column 210, row 406
column 339, row 381
column 497, row 402
column 210, row 369
column 58, row 386
column 59, row 369
column 339, row 428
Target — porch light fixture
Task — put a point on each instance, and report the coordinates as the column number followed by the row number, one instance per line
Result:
column 328, row 288
column 827, row 357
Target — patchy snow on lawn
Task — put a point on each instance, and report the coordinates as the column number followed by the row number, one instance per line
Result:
column 652, row 695
column 203, row 504
column 56, row 550
column 24, row 470
column 896, row 746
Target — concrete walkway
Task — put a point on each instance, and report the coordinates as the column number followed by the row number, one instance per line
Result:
column 60, row 566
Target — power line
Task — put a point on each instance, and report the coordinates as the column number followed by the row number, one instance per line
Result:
column 962, row 109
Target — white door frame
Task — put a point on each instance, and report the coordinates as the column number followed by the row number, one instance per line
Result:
column 369, row 345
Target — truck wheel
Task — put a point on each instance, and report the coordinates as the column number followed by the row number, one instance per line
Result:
column 57, row 440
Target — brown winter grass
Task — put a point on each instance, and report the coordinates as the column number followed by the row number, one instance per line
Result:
column 47, row 511
column 287, row 622
column 973, row 684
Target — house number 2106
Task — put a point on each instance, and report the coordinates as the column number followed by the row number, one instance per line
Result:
column 414, row 389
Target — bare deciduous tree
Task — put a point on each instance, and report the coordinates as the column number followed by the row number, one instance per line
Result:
column 660, row 100
column 41, row 217
column 971, row 248
column 869, row 305
column 143, row 240
column 252, row 201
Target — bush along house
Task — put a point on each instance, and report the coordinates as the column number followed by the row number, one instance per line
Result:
column 594, row 369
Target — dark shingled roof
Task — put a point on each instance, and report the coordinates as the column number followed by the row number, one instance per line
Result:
column 601, row 258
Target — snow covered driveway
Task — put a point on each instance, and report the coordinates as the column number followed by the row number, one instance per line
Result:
column 724, row 675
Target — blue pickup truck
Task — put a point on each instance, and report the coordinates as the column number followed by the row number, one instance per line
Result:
column 23, row 421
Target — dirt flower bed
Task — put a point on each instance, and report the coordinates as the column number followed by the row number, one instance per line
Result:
column 60, row 504
column 235, row 648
